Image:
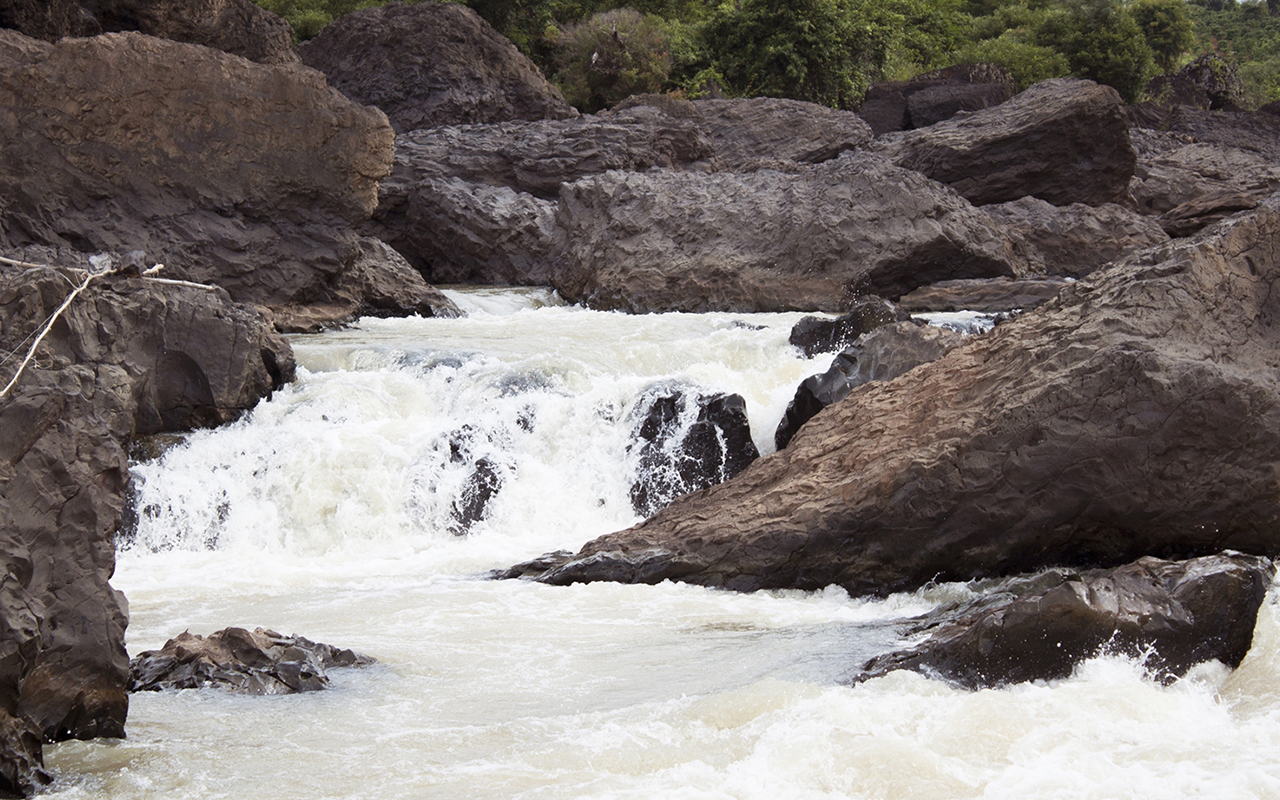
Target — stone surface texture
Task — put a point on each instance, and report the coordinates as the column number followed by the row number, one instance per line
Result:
column 431, row 64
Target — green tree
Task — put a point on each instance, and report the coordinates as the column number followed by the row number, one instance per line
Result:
column 612, row 56
column 1028, row 63
column 1102, row 42
column 1167, row 27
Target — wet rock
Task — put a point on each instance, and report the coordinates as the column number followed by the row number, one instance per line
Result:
column 1135, row 414
column 688, row 441
column 128, row 356
column 934, row 97
column 244, row 175
column 815, row 335
column 239, row 27
column 1075, row 240
column 987, row 295
column 881, row 355
column 1063, row 140
column 1171, row 614
column 431, row 64
column 236, row 660
column 483, row 480
column 819, row 236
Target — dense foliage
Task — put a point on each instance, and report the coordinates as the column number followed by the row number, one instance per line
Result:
column 829, row 51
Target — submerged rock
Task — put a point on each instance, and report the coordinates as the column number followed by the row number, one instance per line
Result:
column 815, row 335
column 1171, row 614
column 236, row 660
column 1137, row 413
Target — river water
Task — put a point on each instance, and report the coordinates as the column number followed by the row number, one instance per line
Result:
column 328, row 512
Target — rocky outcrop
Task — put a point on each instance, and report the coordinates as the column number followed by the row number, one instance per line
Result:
column 813, row 335
column 1210, row 82
column 985, row 296
column 685, row 441
column 881, row 355
column 934, row 97
column 818, row 236
column 1205, row 210
column 229, row 172
column 431, row 64
column 129, row 356
column 1063, row 140
column 747, row 132
column 236, row 660
column 1171, row 614
column 239, row 27
column 1135, row 414
column 1075, row 240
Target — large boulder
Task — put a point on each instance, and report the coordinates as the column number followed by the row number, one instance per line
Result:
column 934, row 97
column 128, row 356
column 1171, row 614
column 745, row 132
column 239, row 27
column 1063, row 140
column 813, row 335
column 1076, row 239
column 1138, row 413
column 811, row 238
column 1210, row 82
column 238, row 174
column 431, row 64
column 236, row 660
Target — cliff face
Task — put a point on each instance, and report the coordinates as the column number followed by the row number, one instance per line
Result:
column 128, row 356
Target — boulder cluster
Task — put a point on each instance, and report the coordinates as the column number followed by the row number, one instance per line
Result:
column 1115, row 433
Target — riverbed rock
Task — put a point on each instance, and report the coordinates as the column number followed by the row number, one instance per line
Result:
column 1076, row 239
column 1063, row 140
column 1170, row 614
column 1135, row 414
column 431, row 64
column 985, row 295
column 240, row 27
column 882, row 354
column 934, row 97
column 746, row 132
column 818, row 236
column 238, row 174
column 686, row 441
column 813, row 335
column 1205, row 210
column 129, row 356
column 260, row 662
column 1210, row 82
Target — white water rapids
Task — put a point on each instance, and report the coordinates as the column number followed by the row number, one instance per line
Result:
column 327, row 512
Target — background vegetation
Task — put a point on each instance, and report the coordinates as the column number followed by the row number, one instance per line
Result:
column 829, row 51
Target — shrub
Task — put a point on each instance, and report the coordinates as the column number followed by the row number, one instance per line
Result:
column 1028, row 63
column 611, row 56
column 1166, row 25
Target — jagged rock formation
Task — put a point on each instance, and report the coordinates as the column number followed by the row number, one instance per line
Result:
column 242, row 175
column 1210, row 82
column 236, row 660
column 129, row 356
column 1172, row 614
column 431, row 64
column 986, row 296
column 934, row 97
column 813, row 335
column 1135, row 414
column 818, row 236
column 1064, row 140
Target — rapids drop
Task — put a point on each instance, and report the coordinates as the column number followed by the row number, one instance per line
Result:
column 329, row 511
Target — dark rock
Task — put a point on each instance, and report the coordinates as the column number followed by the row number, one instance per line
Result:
column 881, row 355
column 128, row 356
column 688, row 442
column 934, row 97
column 1063, row 140
column 483, row 481
column 745, row 132
column 1171, row 614
column 1075, row 240
column 431, row 64
column 235, row 660
column 239, row 27
column 987, row 296
column 243, row 175
column 1135, row 414
column 1210, row 82
column 1193, row 215
column 815, row 335
column 817, row 237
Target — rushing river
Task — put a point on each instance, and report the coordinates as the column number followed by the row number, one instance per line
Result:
column 328, row 512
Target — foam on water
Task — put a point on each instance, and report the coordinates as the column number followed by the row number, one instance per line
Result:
column 326, row 512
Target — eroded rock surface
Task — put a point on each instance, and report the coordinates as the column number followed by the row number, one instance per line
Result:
column 1063, row 140
column 1135, row 414
column 1171, row 614
column 983, row 295
column 934, row 97
column 240, row 661
column 813, row 335
column 431, row 64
